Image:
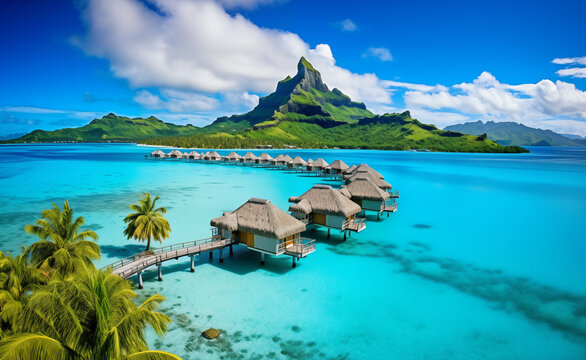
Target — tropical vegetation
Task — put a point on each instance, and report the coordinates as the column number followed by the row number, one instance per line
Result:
column 147, row 222
column 302, row 111
column 49, row 310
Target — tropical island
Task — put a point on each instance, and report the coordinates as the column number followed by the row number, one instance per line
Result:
column 302, row 112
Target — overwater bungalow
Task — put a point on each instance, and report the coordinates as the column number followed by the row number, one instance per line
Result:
column 212, row 156
column 194, row 155
column 322, row 205
column 317, row 166
column 158, row 154
column 281, row 161
column 185, row 155
column 369, row 196
column 334, row 170
column 232, row 157
column 264, row 159
column 363, row 167
column 174, row 154
column 263, row 227
column 248, row 158
column 381, row 183
column 297, row 163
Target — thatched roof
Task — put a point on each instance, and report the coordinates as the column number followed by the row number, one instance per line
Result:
column 319, row 163
column 213, row 154
column 309, row 161
column 370, row 176
column 194, row 153
column 365, row 189
column 176, row 153
column 157, row 152
column 265, row 157
column 345, row 192
column 287, row 158
column 364, row 167
column 338, row 165
column 261, row 217
column 249, row 156
column 324, row 199
column 302, row 206
column 298, row 161
column 233, row 156
column 282, row 158
column 350, row 169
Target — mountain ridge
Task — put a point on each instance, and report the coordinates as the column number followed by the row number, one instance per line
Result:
column 512, row 133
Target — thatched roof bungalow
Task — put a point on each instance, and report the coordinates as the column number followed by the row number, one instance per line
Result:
column 364, row 167
column 232, row 156
column 325, row 206
column 158, row 154
column 175, row 154
column 367, row 194
column 336, row 167
column 318, row 165
column 248, row 158
column 194, row 155
column 281, row 160
column 370, row 176
column 213, row 156
column 263, row 227
column 297, row 163
column 264, row 158
column 349, row 170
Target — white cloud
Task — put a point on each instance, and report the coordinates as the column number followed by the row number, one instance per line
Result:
column 576, row 72
column 245, row 4
column 410, row 86
column 197, row 46
column 347, row 25
column 574, row 60
column 381, row 53
column 176, row 101
column 39, row 110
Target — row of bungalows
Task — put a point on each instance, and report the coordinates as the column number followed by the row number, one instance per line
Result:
column 263, row 227
column 367, row 188
column 328, row 207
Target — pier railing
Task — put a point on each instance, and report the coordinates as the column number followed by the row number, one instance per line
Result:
column 354, row 224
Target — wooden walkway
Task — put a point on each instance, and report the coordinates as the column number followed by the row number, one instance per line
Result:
column 137, row 263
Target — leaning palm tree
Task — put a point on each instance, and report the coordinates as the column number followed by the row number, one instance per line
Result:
column 147, row 223
column 90, row 315
column 62, row 248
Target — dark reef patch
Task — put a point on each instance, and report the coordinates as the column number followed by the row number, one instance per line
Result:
column 422, row 226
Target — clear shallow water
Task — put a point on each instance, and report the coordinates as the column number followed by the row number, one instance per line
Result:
column 483, row 260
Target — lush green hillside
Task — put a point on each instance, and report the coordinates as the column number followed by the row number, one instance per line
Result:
column 390, row 131
column 111, row 128
column 302, row 98
column 512, row 133
column 302, row 111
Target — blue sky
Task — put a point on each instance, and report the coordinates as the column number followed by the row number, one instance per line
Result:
column 190, row 61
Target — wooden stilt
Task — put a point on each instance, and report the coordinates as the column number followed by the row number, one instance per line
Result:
column 294, row 263
column 211, row 255
column 328, row 233
column 160, row 270
column 231, row 251
column 140, row 286
column 221, row 255
column 192, row 266
column 262, row 258
column 344, row 235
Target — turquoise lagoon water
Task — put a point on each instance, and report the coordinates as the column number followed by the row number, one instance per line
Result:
column 485, row 258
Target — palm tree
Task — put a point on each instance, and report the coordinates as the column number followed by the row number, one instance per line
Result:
column 62, row 248
column 90, row 315
column 147, row 222
column 18, row 279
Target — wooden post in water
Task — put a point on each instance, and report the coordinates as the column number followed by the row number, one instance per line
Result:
column 294, row 263
column 262, row 258
column 328, row 233
column 231, row 251
column 221, row 255
column 211, row 255
column 344, row 235
column 192, row 267
column 140, row 280
column 160, row 270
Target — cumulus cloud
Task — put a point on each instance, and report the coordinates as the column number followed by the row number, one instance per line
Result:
column 197, row 46
column 245, row 4
column 576, row 72
column 347, row 25
column 381, row 53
